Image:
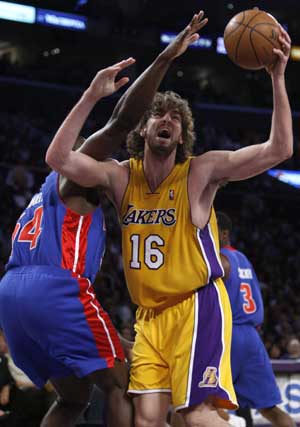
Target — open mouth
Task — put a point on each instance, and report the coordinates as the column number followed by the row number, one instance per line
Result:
column 164, row 133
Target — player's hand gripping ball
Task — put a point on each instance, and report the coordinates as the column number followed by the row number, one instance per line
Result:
column 250, row 38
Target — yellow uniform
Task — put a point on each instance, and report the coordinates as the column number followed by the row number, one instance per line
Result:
column 173, row 274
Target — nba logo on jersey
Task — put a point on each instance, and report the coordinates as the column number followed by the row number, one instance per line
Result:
column 171, row 194
column 210, row 378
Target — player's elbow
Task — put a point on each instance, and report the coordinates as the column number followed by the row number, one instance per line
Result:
column 282, row 149
column 287, row 150
column 54, row 160
column 50, row 159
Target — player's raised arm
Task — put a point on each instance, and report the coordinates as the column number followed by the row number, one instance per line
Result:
column 104, row 84
column 140, row 94
column 255, row 159
column 77, row 166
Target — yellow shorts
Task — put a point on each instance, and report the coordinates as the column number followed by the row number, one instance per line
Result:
column 185, row 350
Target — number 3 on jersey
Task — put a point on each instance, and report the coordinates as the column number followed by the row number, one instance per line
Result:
column 249, row 306
column 153, row 257
column 31, row 230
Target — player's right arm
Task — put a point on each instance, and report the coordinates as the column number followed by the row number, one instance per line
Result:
column 59, row 154
column 86, row 171
column 224, row 166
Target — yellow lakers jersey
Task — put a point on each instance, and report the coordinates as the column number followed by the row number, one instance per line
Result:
column 165, row 256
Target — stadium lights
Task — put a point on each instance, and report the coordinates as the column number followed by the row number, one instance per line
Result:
column 61, row 19
column 290, row 177
column 202, row 43
column 17, row 12
column 31, row 15
column 220, row 48
column 295, row 53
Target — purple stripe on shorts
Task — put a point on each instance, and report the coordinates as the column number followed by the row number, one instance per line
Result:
column 208, row 348
column 205, row 238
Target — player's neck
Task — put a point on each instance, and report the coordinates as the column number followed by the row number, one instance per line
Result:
column 157, row 168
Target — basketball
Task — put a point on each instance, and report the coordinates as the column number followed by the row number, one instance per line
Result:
column 250, row 37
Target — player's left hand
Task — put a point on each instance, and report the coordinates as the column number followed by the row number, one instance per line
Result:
column 283, row 54
column 186, row 37
column 105, row 83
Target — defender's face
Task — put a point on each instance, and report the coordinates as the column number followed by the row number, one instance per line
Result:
column 163, row 131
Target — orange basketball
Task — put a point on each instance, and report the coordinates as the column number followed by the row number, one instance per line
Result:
column 250, row 38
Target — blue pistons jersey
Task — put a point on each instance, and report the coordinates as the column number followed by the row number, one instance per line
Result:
column 253, row 378
column 243, row 289
column 50, row 234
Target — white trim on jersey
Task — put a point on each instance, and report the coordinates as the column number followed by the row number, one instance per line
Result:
column 195, row 334
column 101, row 319
column 204, row 255
column 231, row 398
column 147, row 391
column 216, row 252
column 77, row 243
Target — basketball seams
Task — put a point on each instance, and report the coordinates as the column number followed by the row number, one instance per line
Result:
column 254, row 50
column 249, row 38
column 241, row 23
column 247, row 23
column 239, row 40
column 237, row 27
column 243, row 32
column 254, row 30
column 232, row 32
column 262, row 34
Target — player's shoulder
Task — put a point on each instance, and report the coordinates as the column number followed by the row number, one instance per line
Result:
column 117, row 168
column 117, row 163
column 125, row 164
column 243, row 258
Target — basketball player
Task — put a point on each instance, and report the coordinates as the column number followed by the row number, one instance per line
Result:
column 170, row 246
column 56, row 329
column 58, row 243
column 253, row 378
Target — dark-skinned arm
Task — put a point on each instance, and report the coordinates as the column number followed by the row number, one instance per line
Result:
column 226, row 266
column 140, row 94
column 127, row 113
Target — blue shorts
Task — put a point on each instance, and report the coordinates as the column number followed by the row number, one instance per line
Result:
column 252, row 374
column 54, row 325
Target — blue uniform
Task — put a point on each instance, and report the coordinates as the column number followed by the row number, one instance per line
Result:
column 51, row 319
column 253, row 378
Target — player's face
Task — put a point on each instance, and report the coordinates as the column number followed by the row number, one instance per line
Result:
column 163, row 131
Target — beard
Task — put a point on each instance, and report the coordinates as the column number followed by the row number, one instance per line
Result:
column 163, row 150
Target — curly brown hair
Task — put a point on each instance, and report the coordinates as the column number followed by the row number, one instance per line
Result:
column 165, row 102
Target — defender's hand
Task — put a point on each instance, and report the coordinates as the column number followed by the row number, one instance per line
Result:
column 186, row 37
column 105, row 84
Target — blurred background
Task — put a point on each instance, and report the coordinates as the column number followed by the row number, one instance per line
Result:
column 49, row 52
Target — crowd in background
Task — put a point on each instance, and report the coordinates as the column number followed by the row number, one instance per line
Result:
column 264, row 213
column 41, row 81
column 265, row 225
